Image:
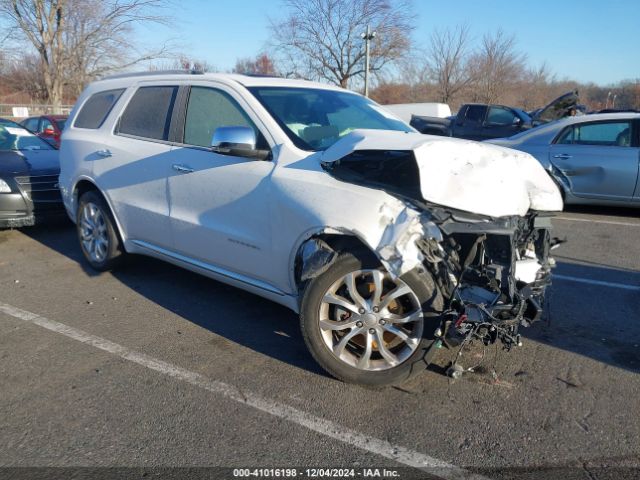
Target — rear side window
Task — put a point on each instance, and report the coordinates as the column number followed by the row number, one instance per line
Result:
column 148, row 114
column 95, row 110
column 607, row 134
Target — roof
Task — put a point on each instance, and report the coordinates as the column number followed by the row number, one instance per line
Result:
column 245, row 80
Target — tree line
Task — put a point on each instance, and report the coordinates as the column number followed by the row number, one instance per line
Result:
column 72, row 42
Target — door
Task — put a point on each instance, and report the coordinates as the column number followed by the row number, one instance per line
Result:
column 598, row 159
column 470, row 125
column 133, row 164
column 500, row 122
column 220, row 203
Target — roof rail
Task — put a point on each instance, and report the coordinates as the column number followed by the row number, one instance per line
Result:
column 152, row 73
column 260, row 75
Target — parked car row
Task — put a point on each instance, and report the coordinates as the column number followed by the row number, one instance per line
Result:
column 477, row 121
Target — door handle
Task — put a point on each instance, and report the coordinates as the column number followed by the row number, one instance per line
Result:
column 182, row 168
column 562, row 156
column 104, row 153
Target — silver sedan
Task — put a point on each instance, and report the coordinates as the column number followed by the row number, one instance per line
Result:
column 595, row 159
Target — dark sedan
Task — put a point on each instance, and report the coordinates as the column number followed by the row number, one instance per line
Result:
column 29, row 169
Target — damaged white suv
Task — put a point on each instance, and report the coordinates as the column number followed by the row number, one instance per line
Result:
column 388, row 243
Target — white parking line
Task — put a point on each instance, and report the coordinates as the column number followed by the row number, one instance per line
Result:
column 601, row 283
column 590, row 220
column 322, row 426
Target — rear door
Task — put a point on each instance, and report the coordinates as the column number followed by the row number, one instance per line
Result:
column 133, row 165
column 636, row 142
column 598, row 159
column 470, row 125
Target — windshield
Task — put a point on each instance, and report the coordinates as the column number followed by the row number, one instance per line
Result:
column 315, row 119
column 16, row 137
column 61, row 122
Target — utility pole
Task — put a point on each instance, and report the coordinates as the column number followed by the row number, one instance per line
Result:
column 367, row 37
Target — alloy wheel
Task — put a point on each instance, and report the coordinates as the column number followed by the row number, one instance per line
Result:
column 371, row 321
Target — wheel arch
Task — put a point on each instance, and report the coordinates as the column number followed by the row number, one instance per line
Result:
column 318, row 249
column 84, row 185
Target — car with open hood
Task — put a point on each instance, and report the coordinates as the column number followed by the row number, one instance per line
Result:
column 479, row 121
column 29, row 168
column 388, row 243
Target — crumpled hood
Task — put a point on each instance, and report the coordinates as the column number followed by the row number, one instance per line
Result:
column 461, row 174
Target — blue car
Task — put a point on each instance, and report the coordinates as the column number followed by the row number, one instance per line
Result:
column 595, row 159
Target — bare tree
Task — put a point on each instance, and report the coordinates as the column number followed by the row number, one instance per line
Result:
column 78, row 40
column 22, row 76
column 321, row 39
column 495, row 66
column 536, row 88
column 261, row 65
column 183, row 62
column 447, row 62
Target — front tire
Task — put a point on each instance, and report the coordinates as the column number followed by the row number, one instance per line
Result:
column 362, row 326
column 97, row 233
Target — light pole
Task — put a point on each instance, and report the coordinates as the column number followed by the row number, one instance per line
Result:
column 367, row 37
column 613, row 105
column 608, row 97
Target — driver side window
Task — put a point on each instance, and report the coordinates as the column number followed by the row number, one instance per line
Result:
column 208, row 109
column 500, row 116
column 45, row 125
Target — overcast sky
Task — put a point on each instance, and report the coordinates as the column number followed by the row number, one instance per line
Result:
column 585, row 40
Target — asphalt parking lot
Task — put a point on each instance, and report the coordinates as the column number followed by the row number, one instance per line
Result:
column 154, row 366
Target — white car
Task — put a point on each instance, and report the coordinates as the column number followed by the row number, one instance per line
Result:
column 388, row 243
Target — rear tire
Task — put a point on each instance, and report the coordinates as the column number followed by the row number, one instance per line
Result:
column 356, row 341
column 96, row 227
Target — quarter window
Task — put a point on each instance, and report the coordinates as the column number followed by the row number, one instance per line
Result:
column 95, row 110
column 148, row 113
column 605, row 134
column 209, row 109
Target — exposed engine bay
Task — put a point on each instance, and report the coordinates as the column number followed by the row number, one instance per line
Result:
column 492, row 270
column 493, row 274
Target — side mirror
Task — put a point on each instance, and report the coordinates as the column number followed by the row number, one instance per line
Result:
column 237, row 142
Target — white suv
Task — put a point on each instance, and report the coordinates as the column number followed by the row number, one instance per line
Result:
column 388, row 243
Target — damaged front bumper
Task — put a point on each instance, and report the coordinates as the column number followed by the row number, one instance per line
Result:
column 493, row 265
column 493, row 273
